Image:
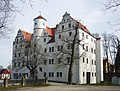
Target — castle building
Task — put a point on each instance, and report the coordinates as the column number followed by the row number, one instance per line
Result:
column 55, row 52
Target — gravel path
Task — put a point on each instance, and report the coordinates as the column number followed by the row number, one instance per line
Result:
column 71, row 88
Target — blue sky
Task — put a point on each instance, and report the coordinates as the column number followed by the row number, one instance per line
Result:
column 90, row 12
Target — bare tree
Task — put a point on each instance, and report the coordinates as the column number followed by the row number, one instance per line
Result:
column 7, row 15
column 32, row 58
column 111, row 45
column 112, row 4
column 69, row 50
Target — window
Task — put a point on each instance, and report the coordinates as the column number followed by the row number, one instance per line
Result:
column 18, row 64
column 57, row 74
column 40, row 69
column 59, row 36
column 91, row 50
column 19, row 54
column 15, row 55
column 17, row 40
column 62, row 26
column 82, row 34
column 49, row 49
column 87, row 60
column 44, row 39
column 16, row 46
column 95, row 74
column 20, row 38
column 83, row 74
column 23, row 63
column 83, row 60
column 61, row 47
column 35, row 45
column 58, row 48
column 95, row 62
column 14, row 64
column 92, row 62
column 69, row 25
column 20, row 45
column 83, row 46
column 52, row 49
column 92, row 74
column 45, row 50
column 70, row 33
column 44, row 24
column 60, row 74
column 50, row 74
column 50, row 61
column 35, row 23
column 44, row 74
column 91, row 39
column 45, row 62
column 86, row 48
column 86, row 36
column 94, row 51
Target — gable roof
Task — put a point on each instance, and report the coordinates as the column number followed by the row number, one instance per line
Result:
column 5, row 71
column 84, row 28
column 28, row 36
column 50, row 31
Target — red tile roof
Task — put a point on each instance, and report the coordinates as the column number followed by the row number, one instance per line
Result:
column 5, row 71
column 84, row 28
column 50, row 31
column 40, row 17
column 28, row 36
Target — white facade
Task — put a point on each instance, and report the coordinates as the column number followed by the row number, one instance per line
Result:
column 55, row 67
column 99, row 62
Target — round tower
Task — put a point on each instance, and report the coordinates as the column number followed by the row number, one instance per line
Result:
column 39, row 26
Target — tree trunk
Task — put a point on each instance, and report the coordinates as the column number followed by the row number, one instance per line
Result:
column 32, row 75
column 117, row 61
column 70, row 74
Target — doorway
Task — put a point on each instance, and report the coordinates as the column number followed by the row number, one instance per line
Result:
column 88, row 77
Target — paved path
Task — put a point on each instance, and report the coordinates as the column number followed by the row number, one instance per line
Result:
column 71, row 88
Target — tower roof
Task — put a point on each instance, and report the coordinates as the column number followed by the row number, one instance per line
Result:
column 40, row 17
